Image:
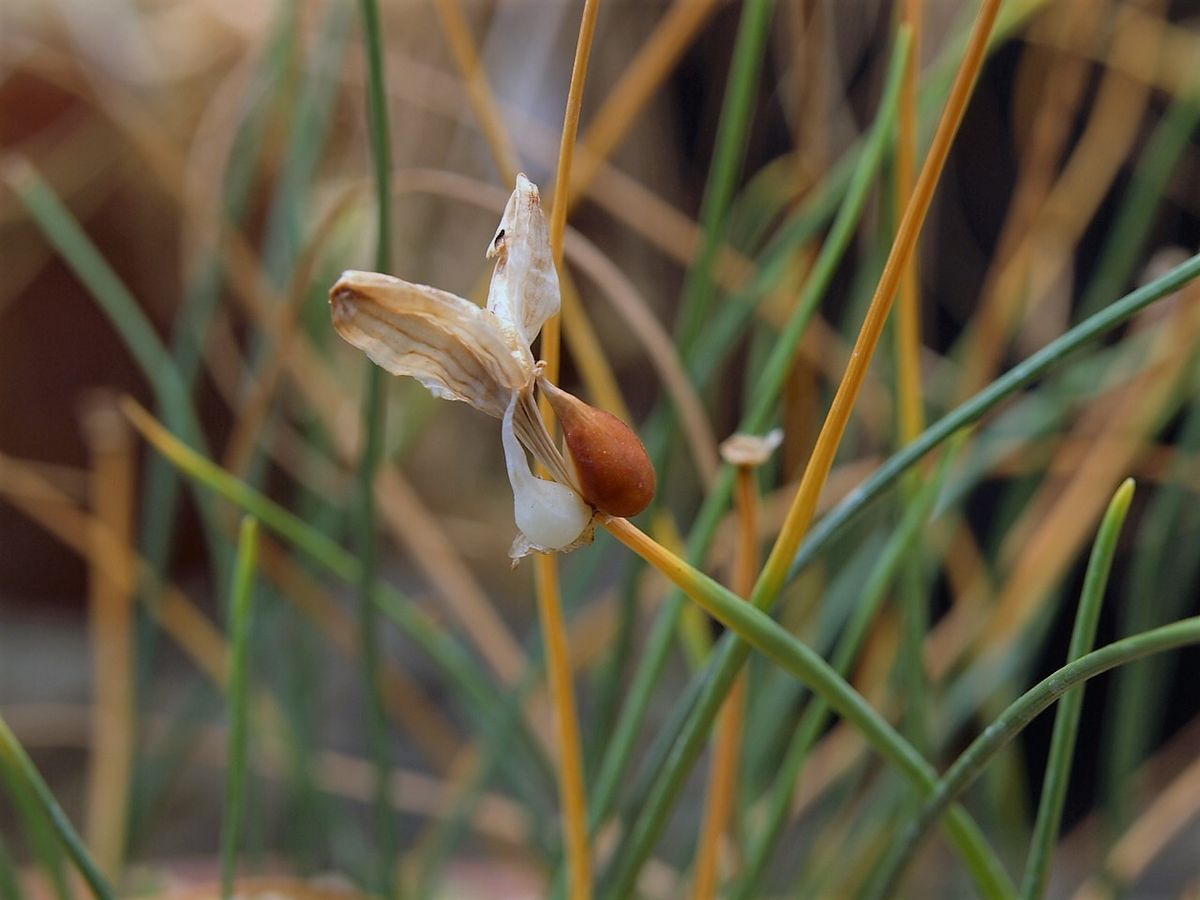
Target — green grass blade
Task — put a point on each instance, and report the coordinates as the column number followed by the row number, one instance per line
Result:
column 202, row 297
column 10, row 885
column 1111, row 317
column 1025, row 708
column 240, row 610
column 463, row 672
column 730, row 655
column 65, row 234
column 1066, row 720
column 1126, row 239
column 21, row 767
column 373, row 408
column 760, row 632
column 612, row 772
column 729, row 152
column 1133, row 717
column 38, row 832
column 816, row 716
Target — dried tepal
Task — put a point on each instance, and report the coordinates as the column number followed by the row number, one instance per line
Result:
column 483, row 357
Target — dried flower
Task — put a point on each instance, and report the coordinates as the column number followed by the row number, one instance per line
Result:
column 750, row 450
column 483, row 357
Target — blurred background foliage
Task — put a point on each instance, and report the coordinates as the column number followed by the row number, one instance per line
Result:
column 200, row 176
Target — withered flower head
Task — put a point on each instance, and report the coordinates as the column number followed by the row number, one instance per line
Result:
column 740, row 449
column 482, row 357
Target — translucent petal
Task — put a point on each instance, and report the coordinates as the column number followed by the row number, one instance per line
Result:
column 550, row 516
column 453, row 347
column 524, row 291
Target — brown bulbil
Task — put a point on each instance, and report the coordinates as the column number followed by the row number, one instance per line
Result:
column 614, row 471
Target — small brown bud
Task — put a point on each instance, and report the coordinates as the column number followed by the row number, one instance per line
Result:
column 614, row 471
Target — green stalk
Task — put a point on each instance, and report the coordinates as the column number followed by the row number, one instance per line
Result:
column 1024, row 710
column 816, row 716
column 14, row 758
column 1066, row 720
column 758, row 419
column 1126, row 240
column 10, row 887
column 39, row 833
column 373, row 408
column 760, row 632
column 202, row 296
column 115, row 300
column 241, row 597
column 728, row 155
column 459, row 666
column 1134, row 717
column 730, row 654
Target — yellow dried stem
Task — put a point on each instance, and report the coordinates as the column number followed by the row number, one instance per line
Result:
column 1047, row 217
column 483, row 102
column 629, row 96
column 722, row 778
column 573, row 794
column 1059, row 520
column 1170, row 811
column 110, row 626
column 817, row 471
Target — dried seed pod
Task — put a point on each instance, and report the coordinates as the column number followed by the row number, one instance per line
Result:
column 614, row 472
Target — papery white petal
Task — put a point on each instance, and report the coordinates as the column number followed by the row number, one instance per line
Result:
column 524, row 292
column 453, row 347
column 550, row 516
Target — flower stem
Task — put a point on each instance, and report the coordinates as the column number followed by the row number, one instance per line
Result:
column 14, row 757
column 373, row 409
column 572, row 789
column 562, row 693
column 817, row 471
column 722, row 778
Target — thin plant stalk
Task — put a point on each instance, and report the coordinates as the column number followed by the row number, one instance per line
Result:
column 629, row 96
column 756, row 420
column 460, row 667
column 13, row 756
column 764, row 634
column 240, row 609
column 803, row 508
column 817, row 471
column 728, row 154
column 910, row 415
column 722, row 779
column 815, row 718
column 111, row 624
column 1070, row 708
column 571, row 778
column 373, row 408
column 962, row 774
column 908, row 313
column 116, row 301
column 572, row 783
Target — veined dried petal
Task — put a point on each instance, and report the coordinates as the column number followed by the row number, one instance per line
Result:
column 453, row 347
column 611, row 465
column 550, row 516
column 524, row 291
column 750, row 449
